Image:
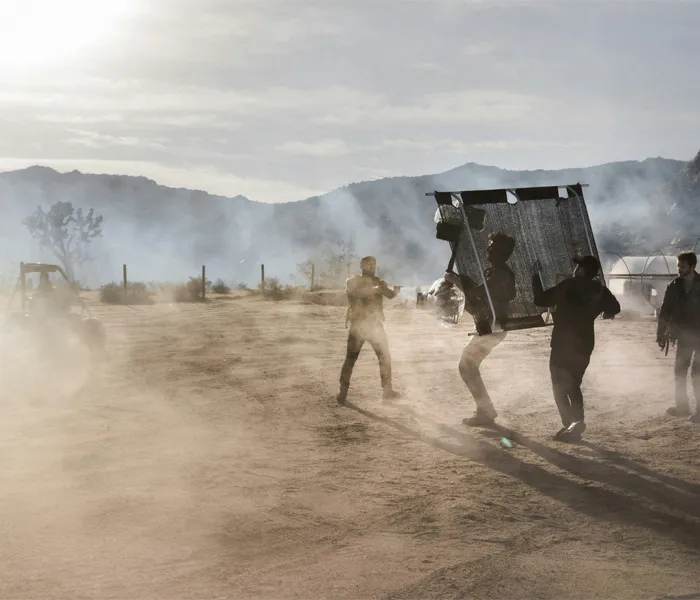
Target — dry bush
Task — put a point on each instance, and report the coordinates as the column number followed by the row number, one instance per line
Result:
column 136, row 293
column 190, row 291
column 274, row 290
column 220, row 287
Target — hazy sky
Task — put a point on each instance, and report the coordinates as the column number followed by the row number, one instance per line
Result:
column 279, row 100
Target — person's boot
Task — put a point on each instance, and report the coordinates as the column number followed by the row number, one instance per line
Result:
column 680, row 410
column 342, row 395
column 481, row 418
column 389, row 394
column 695, row 417
column 561, row 432
column 573, row 432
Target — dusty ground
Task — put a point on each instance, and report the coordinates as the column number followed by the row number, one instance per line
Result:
column 208, row 459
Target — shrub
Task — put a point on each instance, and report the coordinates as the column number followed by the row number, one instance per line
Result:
column 136, row 293
column 190, row 291
column 274, row 290
column 220, row 287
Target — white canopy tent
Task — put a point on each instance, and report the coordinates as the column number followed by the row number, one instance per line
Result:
column 639, row 282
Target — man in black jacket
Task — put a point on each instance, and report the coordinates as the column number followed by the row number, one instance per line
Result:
column 679, row 321
column 578, row 301
column 501, row 286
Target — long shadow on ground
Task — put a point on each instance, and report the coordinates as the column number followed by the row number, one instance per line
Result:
column 679, row 520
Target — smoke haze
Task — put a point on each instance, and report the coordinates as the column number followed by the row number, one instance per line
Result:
column 166, row 234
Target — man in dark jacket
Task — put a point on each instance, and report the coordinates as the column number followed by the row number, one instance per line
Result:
column 501, row 286
column 366, row 293
column 679, row 322
column 577, row 301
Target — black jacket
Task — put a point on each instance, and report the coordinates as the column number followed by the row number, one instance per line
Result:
column 680, row 310
column 578, row 301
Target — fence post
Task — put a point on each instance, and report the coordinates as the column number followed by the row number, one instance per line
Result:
column 126, row 299
column 313, row 272
column 262, row 276
column 204, row 282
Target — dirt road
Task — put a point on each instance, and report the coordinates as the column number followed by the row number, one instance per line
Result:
column 207, row 458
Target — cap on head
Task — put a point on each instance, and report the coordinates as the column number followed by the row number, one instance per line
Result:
column 590, row 264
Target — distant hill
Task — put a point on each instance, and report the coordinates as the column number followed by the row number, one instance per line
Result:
column 164, row 233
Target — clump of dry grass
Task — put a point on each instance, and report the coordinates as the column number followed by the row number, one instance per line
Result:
column 136, row 293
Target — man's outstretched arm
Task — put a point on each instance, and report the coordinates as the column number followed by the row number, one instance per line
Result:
column 542, row 297
column 388, row 292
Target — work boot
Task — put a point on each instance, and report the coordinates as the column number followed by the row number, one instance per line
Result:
column 679, row 411
column 481, row 418
column 573, row 432
column 342, row 395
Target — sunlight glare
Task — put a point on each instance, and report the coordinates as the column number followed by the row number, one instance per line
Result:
column 38, row 33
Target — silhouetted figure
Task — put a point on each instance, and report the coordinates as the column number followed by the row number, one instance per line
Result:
column 501, row 286
column 679, row 323
column 366, row 294
column 44, row 301
column 577, row 301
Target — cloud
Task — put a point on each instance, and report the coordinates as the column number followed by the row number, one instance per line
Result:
column 311, row 95
column 460, row 147
column 321, row 148
column 96, row 140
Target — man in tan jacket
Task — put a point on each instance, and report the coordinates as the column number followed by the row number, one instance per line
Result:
column 366, row 293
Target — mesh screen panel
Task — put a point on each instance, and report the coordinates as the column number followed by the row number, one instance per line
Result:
column 546, row 226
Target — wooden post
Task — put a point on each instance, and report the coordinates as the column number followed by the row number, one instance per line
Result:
column 262, row 276
column 125, row 286
column 204, row 282
column 313, row 272
column 23, row 284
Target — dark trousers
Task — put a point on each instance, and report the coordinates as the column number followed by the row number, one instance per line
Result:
column 374, row 334
column 567, row 370
column 687, row 357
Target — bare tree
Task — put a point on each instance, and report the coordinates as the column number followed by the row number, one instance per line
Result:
column 66, row 231
column 331, row 263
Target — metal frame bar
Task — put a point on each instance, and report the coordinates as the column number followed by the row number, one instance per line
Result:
column 586, row 222
column 642, row 277
column 478, row 260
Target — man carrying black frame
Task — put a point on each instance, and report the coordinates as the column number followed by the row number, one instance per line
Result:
column 500, row 286
column 578, row 301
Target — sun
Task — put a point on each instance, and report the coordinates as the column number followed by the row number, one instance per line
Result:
column 38, row 33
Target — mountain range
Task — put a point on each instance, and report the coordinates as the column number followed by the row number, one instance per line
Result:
column 164, row 233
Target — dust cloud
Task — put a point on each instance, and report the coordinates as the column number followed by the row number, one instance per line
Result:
column 204, row 455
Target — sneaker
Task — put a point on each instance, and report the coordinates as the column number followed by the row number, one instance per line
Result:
column 573, row 432
column 559, row 433
column 678, row 411
column 480, row 419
